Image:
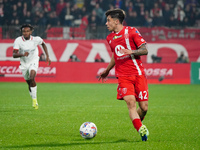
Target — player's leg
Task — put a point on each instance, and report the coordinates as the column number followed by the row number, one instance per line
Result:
column 131, row 104
column 134, row 116
column 32, row 74
column 32, row 78
column 33, row 88
column 25, row 73
column 29, row 88
column 126, row 91
column 141, row 92
column 142, row 109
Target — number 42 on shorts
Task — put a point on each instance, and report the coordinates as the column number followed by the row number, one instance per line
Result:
column 143, row 95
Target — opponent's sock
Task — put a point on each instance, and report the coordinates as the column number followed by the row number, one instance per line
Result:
column 34, row 92
column 137, row 123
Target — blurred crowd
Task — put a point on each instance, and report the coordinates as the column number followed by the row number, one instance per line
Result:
column 84, row 13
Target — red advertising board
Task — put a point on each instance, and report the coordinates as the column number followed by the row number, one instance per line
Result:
column 62, row 70
column 89, row 50
column 81, row 72
column 168, row 73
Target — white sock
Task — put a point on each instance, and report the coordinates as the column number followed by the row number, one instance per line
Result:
column 30, row 93
column 34, row 92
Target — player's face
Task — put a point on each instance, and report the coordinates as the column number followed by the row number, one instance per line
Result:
column 26, row 32
column 111, row 23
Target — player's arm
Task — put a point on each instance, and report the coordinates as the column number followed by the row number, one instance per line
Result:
column 46, row 52
column 111, row 64
column 16, row 54
column 105, row 73
column 142, row 50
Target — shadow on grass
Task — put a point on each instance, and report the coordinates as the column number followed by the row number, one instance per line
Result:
column 85, row 142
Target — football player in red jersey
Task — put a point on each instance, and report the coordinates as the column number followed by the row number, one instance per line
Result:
column 127, row 46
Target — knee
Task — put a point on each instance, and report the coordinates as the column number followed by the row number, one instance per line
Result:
column 131, row 104
column 32, row 75
column 130, row 101
column 144, row 107
column 31, row 79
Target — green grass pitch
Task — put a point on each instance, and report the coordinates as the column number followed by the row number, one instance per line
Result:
column 173, row 118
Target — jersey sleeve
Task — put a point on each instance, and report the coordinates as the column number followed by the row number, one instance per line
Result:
column 137, row 38
column 39, row 40
column 16, row 44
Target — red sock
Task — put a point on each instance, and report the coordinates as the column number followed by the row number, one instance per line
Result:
column 137, row 123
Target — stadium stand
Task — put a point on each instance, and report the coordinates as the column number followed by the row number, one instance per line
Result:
column 88, row 15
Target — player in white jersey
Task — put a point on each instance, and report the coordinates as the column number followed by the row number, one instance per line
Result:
column 25, row 47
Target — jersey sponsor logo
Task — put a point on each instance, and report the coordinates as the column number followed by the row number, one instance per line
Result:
column 116, row 37
column 124, row 57
column 117, row 50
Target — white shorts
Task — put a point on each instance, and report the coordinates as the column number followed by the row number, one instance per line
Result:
column 26, row 68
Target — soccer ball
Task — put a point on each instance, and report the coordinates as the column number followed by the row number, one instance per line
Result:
column 88, row 130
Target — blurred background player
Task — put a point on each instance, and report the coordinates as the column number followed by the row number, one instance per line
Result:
column 25, row 47
column 127, row 46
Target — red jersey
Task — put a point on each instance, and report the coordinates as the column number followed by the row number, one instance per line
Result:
column 127, row 38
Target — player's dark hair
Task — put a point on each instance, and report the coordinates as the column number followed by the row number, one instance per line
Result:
column 116, row 13
column 26, row 25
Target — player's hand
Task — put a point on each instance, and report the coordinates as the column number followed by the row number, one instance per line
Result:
column 103, row 76
column 26, row 54
column 48, row 61
column 125, row 51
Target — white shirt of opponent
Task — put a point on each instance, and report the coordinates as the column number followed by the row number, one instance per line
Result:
column 29, row 46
